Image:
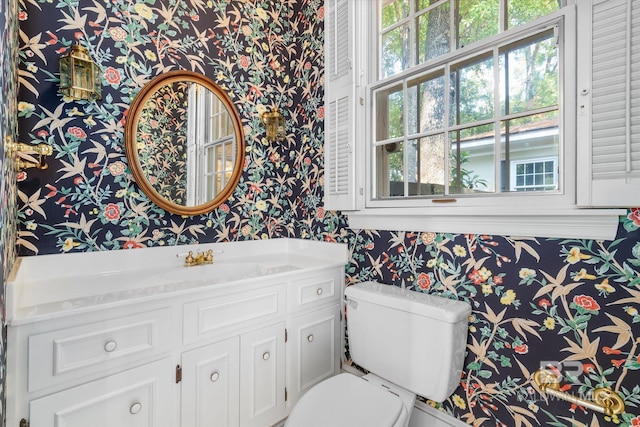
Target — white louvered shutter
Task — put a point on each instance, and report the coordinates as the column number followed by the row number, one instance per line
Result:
column 339, row 147
column 609, row 103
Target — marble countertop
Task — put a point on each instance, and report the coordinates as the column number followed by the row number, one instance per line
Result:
column 52, row 285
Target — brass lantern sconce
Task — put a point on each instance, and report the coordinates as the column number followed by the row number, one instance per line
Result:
column 79, row 76
column 274, row 123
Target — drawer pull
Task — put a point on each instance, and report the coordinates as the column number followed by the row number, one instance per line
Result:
column 215, row 377
column 266, row 355
column 109, row 346
column 319, row 291
column 310, row 338
column 135, row 408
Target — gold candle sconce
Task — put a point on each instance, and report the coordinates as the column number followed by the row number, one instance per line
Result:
column 275, row 125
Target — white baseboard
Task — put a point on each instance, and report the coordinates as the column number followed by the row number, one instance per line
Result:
column 424, row 415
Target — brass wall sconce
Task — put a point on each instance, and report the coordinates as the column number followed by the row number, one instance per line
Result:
column 25, row 152
column 604, row 400
column 79, row 76
column 274, row 123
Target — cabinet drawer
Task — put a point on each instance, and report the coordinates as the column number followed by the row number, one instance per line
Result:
column 140, row 397
column 214, row 316
column 311, row 290
column 66, row 354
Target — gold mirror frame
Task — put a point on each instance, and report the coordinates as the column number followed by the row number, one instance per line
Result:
column 131, row 150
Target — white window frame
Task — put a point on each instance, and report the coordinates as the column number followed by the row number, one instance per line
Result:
column 202, row 122
column 565, row 196
column 540, row 215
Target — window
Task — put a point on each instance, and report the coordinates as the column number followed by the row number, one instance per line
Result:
column 534, row 175
column 463, row 88
column 211, row 150
column 460, row 116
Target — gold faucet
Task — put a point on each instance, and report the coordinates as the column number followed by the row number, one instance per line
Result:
column 199, row 259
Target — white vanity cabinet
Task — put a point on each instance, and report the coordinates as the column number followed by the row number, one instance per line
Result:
column 269, row 367
column 226, row 354
column 99, row 369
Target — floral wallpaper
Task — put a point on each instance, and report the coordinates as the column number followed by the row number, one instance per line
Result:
column 262, row 53
column 161, row 141
column 571, row 304
column 568, row 305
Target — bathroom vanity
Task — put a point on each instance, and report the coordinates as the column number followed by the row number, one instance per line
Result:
column 135, row 338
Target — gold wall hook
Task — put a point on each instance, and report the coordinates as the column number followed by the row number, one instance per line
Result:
column 605, row 400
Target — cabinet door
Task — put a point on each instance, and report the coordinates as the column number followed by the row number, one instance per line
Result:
column 313, row 350
column 210, row 385
column 262, row 373
column 141, row 397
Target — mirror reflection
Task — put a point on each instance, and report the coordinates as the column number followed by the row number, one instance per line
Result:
column 184, row 143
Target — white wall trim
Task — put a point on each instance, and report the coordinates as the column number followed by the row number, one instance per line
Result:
column 597, row 224
column 424, row 415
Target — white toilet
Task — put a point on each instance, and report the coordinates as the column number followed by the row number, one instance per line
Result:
column 410, row 342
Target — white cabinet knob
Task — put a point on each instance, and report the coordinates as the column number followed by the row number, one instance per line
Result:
column 310, row 338
column 135, row 408
column 319, row 291
column 266, row 355
column 215, row 377
column 109, row 346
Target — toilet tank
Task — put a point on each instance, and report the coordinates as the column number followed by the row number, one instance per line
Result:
column 412, row 339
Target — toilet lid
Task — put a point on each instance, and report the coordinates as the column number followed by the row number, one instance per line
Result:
column 346, row 401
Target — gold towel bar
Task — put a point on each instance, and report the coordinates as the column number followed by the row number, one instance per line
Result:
column 605, row 400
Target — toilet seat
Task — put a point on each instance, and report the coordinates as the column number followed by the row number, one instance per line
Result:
column 346, row 400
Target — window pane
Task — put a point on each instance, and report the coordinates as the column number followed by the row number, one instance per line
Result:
column 472, row 160
column 219, row 166
column 472, row 89
column 532, row 70
column 228, row 157
column 521, row 12
column 426, row 166
column 528, row 144
column 389, row 113
column 433, row 32
column 477, row 19
column 390, row 171
column 394, row 11
column 425, row 104
column 395, row 50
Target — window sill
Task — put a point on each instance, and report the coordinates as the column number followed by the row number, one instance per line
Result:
column 597, row 224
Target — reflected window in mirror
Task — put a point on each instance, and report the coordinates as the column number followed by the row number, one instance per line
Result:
column 211, row 150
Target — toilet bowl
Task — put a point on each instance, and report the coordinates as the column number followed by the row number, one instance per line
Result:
column 347, row 400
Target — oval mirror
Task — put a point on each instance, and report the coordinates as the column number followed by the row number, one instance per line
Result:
column 184, row 143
